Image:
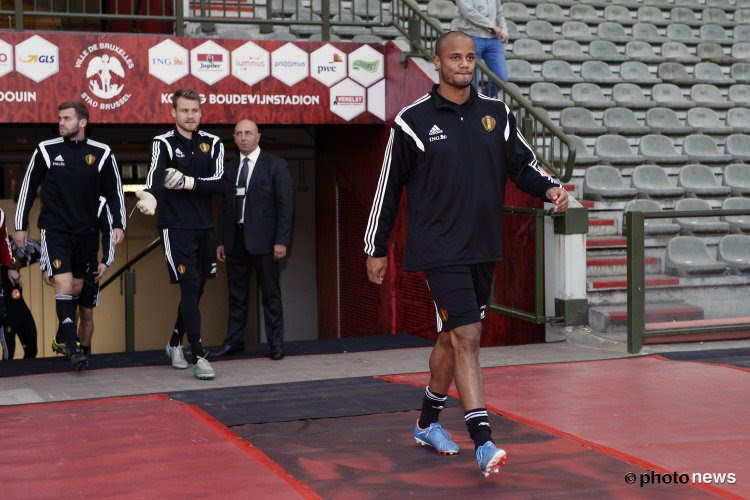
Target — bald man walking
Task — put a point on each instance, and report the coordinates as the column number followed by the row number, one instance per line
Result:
column 255, row 229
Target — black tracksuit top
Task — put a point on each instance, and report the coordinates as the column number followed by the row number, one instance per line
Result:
column 75, row 175
column 454, row 161
column 202, row 158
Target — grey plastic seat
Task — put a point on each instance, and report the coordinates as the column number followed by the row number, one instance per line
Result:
column 349, row 31
column 653, row 15
column 520, row 71
column 647, row 32
column 742, row 16
column 568, row 50
column 516, row 12
column 615, row 149
column 642, row 51
column 737, row 222
column 722, row 4
column 577, row 30
column 652, row 181
column 317, row 37
column 282, row 35
column 715, row 33
column 618, row 14
column 548, row 95
column 741, row 51
column 734, row 251
column 585, row 13
column 622, row 121
column 604, row 50
column 614, row 32
column 367, row 39
column 589, row 95
column 691, row 225
column 370, row 8
column 709, row 72
column 700, row 181
column 708, row 95
column 681, row 33
column 684, row 15
column 739, row 120
column 583, row 153
column 283, row 7
column 738, row 147
column 700, row 147
column 530, row 50
column 677, row 52
column 737, row 178
column 631, row 95
column 674, row 72
column 652, row 226
column 637, row 72
column 706, row 121
column 602, row 182
column 741, row 33
column 442, row 9
column 669, row 95
column 580, row 121
column 688, row 256
column 541, row 30
column 712, row 51
column 739, row 94
column 550, row 12
column 659, row 148
column 597, row 72
column 559, row 72
column 741, row 72
column 715, row 15
column 665, row 121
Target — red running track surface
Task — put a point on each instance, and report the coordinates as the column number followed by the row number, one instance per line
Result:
column 132, row 447
column 669, row 416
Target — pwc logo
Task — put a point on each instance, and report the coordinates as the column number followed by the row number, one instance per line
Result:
column 36, row 58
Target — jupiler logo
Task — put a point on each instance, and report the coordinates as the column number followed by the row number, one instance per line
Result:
column 105, row 75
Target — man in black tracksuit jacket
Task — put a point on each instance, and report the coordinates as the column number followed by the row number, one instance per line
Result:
column 187, row 165
column 453, row 149
column 74, row 172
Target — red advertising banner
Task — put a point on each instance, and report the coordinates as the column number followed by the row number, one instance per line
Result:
column 129, row 79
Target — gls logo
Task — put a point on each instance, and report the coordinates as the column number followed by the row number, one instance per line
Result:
column 44, row 58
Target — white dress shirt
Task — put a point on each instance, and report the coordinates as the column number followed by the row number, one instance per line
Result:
column 253, row 159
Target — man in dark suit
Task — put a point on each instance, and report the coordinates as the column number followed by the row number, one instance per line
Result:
column 255, row 227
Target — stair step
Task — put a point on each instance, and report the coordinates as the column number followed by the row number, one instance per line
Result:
column 606, row 242
column 603, row 227
column 621, row 282
column 617, row 261
column 569, row 187
column 615, row 317
column 601, row 222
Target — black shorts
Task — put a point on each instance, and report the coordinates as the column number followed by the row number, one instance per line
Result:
column 460, row 293
column 69, row 253
column 89, row 296
column 190, row 253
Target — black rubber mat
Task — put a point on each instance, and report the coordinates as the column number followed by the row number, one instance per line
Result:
column 16, row 367
column 737, row 357
column 305, row 400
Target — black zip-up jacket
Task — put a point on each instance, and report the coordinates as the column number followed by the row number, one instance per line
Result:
column 75, row 174
column 454, row 161
column 202, row 158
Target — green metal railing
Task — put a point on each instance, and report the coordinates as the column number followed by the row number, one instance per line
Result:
column 636, row 278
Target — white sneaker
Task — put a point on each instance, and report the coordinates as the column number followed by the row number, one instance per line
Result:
column 177, row 357
column 203, row 370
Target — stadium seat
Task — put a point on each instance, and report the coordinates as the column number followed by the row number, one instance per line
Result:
column 737, row 178
column 597, row 72
column 548, row 95
column 541, row 30
column 585, row 13
column 708, row 95
column 630, row 95
column 602, row 182
column 681, row 33
column 741, row 51
column 712, row 51
column 583, row 154
column 674, row 72
column 741, row 72
column 568, row 50
column 739, row 94
column 614, row 32
column 282, row 35
column 715, row 15
column 690, row 4
column 550, row 12
column 367, row 39
column 742, row 16
column 305, row 29
column 281, row 8
column 740, row 223
column 738, row 147
column 442, row 9
column 317, row 7
column 722, row 4
column 691, row 225
column 709, row 72
column 317, row 37
column 559, row 72
column 659, row 148
column 615, row 149
column 706, row 121
column 653, row 15
column 619, row 14
column 699, row 180
column 637, row 72
column 669, row 95
column 386, row 30
column 580, row 121
column 665, row 121
column 520, row 71
column 371, row 8
column 677, row 52
column 516, row 12
column 622, row 121
column 652, row 181
column 739, row 120
column 715, row 33
column 530, row 50
column 684, row 15
column 589, row 95
column 688, row 255
column 702, row 148
column 741, row 33
column 734, row 251
column 642, row 51
column 604, row 50
column 577, row 30
column 652, row 226
column 647, row 32
column 349, row 31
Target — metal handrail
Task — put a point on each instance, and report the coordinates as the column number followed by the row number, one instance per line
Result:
column 125, row 267
column 636, row 277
